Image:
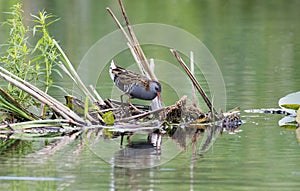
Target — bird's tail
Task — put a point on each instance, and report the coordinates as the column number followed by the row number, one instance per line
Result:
column 112, row 66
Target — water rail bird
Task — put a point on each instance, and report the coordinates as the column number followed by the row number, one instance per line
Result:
column 133, row 84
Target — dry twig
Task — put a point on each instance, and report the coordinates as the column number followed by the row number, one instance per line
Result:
column 58, row 107
column 195, row 82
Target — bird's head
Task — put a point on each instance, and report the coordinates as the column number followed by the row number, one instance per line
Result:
column 155, row 87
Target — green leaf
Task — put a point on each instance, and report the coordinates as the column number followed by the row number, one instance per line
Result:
column 75, row 104
column 86, row 106
column 57, row 72
column 51, row 22
column 61, row 89
column 289, row 126
column 290, row 102
column 108, row 118
column 108, row 133
column 291, row 106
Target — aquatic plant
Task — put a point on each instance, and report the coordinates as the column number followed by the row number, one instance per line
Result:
column 17, row 55
column 29, row 59
column 47, row 54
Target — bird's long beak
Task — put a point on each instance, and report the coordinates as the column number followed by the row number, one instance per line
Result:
column 159, row 96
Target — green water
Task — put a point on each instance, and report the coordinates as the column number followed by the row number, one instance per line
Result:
column 257, row 47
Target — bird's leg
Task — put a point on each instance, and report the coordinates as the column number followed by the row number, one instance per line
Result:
column 123, row 106
column 121, row 97
column 131, row 105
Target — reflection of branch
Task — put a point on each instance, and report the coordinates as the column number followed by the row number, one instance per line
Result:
column 195, row 139
column 211, row 134
column 207, row 142
column 57, row 145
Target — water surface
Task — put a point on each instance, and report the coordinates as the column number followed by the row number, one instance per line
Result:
column 255, row 43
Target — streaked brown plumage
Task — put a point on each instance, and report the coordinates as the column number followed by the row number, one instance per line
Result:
column 134, row 84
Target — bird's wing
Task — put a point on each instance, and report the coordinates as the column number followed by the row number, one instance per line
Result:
column 125, row 79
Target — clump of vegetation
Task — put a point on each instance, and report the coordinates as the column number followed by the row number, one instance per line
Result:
column 16, row 58
column 47, row 54
column 30, row 53
column 27, row 66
